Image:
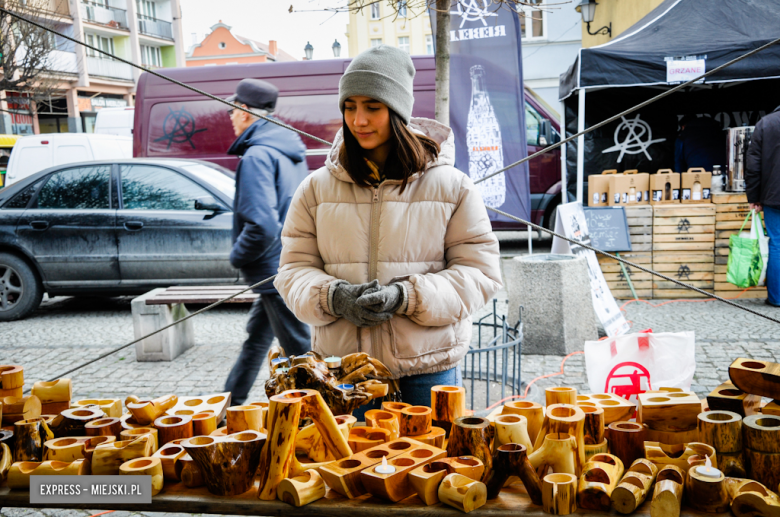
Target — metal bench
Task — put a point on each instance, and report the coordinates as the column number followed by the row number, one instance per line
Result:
column 163, row 306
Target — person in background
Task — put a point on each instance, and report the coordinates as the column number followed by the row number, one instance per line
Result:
column 701, row 143
column 388, row 248
column 273, row 164
column 762, row 183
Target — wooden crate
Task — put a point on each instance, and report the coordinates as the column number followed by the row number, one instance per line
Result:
column 729, row 198
column 695, row 268
column 684, row 228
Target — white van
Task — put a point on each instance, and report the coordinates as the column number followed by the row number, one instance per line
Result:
column 115, row 121
column 37, row 152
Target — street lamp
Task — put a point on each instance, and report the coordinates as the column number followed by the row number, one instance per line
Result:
column 308, row 50
column 336, row 48
column 587, row 9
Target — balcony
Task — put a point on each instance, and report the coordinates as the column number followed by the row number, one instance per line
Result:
column 109, row 68
column 108, row 16
column 62, row 61
column 154, row 27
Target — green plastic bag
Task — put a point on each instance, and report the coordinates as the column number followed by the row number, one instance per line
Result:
column 745, row 262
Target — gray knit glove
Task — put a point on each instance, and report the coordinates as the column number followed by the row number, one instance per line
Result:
column 386, row 298
column 344, row 304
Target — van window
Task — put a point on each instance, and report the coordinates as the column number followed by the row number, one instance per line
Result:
column 533, row 122
column 72, row 153
column 318, row 115
column 82, row 187
column 32, row 159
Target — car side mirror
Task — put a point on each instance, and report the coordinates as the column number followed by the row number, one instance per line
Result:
column 208, row 203
column 545, row 133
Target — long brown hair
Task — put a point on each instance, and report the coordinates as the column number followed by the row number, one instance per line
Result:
column 410, row 154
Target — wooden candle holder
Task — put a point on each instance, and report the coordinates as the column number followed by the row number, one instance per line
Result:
column 762, row 433
column 532, row 411
column 29, row 437
column 11, row 377
column 228, row 464
column 668, row 493
column 447, row 403
column 129, row 422
column 592, row 450
column 435, row 437
column 73, row 448
column 284, row 413
column 706, row 494
column 723, row 431
column 671, row 437
column 244, row 418
column 20, row 408
column 111, row 407
column 626, row 441
column 756, row 377
column 132, row 434
column 511, row 460
column 13, row 392
column 54, row 395
column 511, row 429
column 220, row 431
column 415, row 420
column 20, row 472
column 396, row 486
column 593, row 427
column 385, row 420
column 203, row 424
column 147, row 411
column 728, row 397
column 675, row 411
column 108, row 457
column 462, row 493
column 309, row 440
column 216, row 403
column 395, row 408
column 72, row 422
column 301, row 490
column 343, row 475
column 169, row 455
column 559, row 494
column 263, row 412
column 191, row 476
column 560, row 395
column 634, row 487
column 145, row 467
column 752, row 499
column 557, row 452
column 682, row 456
column 426, row 479
column 600, row 476
column 363, row 438
column 103, row 427
column 171, row 428
column 565, row 419
column 763, row 467
column 6, row 460
column 616, row 408
column 472, row 436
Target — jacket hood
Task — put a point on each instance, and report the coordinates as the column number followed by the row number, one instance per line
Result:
column 437, row 131
column 268, row 134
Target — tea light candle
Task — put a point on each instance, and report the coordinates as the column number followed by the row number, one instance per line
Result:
column 384, row 468
column 282, row 370
column 333, row 362
column 345, row 387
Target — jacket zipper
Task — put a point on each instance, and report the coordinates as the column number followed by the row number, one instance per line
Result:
column 373, row 251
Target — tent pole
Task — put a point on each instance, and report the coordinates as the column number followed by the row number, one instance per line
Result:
column 564, row 172
column 580, row 144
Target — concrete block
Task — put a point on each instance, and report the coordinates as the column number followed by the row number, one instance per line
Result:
column 554, row 291
column 168, row 344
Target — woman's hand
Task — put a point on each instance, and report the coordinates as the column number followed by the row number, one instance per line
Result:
column 386, row 298
column 345, row 305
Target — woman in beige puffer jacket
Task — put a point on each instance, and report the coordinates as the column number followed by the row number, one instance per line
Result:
column 426, row 240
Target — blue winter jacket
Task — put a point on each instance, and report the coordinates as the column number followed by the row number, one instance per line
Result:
column 273, row 164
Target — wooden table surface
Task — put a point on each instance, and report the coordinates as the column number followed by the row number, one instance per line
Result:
column 175, row 497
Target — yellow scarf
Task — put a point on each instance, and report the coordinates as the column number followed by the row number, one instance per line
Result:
column 377, row 176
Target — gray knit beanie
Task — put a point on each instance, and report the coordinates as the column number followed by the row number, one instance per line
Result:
column 383, row 73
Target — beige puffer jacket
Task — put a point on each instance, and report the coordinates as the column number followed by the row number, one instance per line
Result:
column 436, row 238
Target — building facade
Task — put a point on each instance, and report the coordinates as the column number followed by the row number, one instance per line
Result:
column 620, row 14
column 148, row 32
column 407, row 27
column 222, row 47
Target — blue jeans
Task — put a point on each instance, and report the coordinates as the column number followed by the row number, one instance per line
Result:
column 772, row 219
column 416, row 390
column 268, row 316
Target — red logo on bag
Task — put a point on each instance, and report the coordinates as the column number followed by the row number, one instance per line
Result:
column 628, row 380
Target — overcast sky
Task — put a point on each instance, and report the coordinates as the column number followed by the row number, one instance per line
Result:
column 264, row 20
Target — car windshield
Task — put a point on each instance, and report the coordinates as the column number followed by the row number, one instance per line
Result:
column 212, row 176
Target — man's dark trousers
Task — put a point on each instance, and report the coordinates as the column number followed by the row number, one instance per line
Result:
column 268, row 316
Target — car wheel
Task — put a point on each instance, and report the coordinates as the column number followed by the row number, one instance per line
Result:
column 20, row 289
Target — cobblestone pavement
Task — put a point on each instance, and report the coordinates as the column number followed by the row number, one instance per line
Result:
column 66, row 332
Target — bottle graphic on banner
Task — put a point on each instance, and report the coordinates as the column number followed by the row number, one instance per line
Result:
column 483, row 137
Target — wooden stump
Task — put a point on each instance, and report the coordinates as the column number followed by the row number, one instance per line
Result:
column 20, row 472
column 462, row 493
column 11, row 376
column 560, row 395
column 728, row 397
column 169, row 455
column 557, row 452
column 756, row 377
column 203, row 424
column 447, row 403
column 723, row 431
column 600, row 476
column 752, row 499
column 191, row 476
column 511, row 429
column 147, row 411
column 244, row 418
column 395, row 408
column 565, row 419
column 472, row 436
column 763, row 467
column 559, row 494
column 668, row 493
column 72, row 422
column 593, row 427
column 706, row 494
column 108, row 457
column 512, row 460
column 228, row 464
column 762, row 433
column 532, row 411
column 30, row 436
column 415, row 420
column 103, row 427
column 20, row 408
column 301, row 490
column 384, row 420
column 145, row 467
column 132, row 434
column 171, row 428
column 683, row 456
column 634, row 487
column 626, row 441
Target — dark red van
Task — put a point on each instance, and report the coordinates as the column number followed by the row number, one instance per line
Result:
column 173, row 122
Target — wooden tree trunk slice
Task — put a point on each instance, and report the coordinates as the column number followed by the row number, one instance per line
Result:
column 559, row 494
column 29, row 438
column 145, row 467
column 227, row 465
column 447, row 403
column 472, row 436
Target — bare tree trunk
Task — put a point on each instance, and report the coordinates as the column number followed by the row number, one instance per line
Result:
column 443, row 61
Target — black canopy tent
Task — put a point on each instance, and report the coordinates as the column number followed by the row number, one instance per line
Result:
column 632, row 68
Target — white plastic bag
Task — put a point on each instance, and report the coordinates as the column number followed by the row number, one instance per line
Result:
column 757, row 232
column 635, row 363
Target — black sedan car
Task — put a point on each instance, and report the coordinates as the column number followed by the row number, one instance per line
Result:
column 114, row 228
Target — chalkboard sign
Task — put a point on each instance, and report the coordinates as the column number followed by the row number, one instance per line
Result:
column 608, row 228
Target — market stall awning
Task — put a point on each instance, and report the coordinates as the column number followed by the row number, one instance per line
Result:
column 718, row 31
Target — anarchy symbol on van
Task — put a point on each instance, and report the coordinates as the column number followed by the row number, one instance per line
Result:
column 179, row 127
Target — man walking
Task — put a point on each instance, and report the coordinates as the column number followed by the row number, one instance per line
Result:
column 762, row 180
column 271, row 168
